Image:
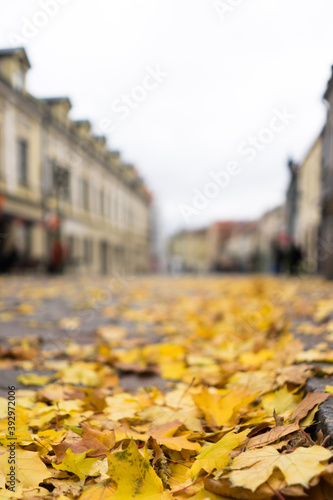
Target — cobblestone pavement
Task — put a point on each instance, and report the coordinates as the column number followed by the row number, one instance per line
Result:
column 175, row 362
column 59, row 310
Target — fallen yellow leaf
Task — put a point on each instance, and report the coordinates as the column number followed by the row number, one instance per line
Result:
column 216, row 456
column 254, row 467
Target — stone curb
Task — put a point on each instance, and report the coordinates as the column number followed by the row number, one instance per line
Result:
column 325, row 411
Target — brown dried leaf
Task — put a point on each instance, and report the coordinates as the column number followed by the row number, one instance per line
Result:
column 272, row 435
column 311, row 400
column 225, row 488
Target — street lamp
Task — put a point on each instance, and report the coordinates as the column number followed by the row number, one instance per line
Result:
column 59, row 188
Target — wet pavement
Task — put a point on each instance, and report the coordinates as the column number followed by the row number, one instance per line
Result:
column 78, row 306
column 64, row 309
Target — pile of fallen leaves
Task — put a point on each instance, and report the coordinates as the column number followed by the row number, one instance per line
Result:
column 227, row 414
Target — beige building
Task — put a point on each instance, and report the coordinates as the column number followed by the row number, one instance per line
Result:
column 218, row 235
column 188, row 252
column 223, row 246
column 59, row 180
column 236, row 246
column 240, row 249
column 272, row 231
column 309, row 208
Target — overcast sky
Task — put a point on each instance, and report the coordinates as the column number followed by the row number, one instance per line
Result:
column 224, row 72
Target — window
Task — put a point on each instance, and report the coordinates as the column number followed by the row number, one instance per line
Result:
column 84, row 194
column 71, row 244
column 87, row 251
column 18, row 81
column 26, row 230
column 115, row 211
column 106, row 201
column 102, row 207
column 61, row 182
column 92, row 199
column 130, row 218
column 110, row 208
column 23, row 162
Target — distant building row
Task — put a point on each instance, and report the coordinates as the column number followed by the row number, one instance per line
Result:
column 63, row 196
column 229, row 246
column 295, row 237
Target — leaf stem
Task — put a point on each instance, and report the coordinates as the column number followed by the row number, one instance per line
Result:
column 307, row 436
column 192, row 484
column 279, row 495
column 181, row 461
column 186, row 391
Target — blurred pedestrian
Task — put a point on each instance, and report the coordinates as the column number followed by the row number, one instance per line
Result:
column 294, row 259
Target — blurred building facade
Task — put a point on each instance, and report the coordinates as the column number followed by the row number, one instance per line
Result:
column 188, row 251
column 218, row 234
column 64, row 197
column 295, row 237
column 288, row 238
column 292, row 199
column 233, row 246
column 272, row 238
column 229, row 246
column 309, row 204
column 326, row 229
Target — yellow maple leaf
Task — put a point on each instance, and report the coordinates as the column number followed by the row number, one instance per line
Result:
column 164, row 435
column 6, row 316
column 254, row 467
column 2, row 479
column 315, row 355
column 217, row 455
column 162, row 415
column 323, row 310
column 3, row 408
column 173, row 371
column 101, row 491
column 134, row 475
column 33, row 379
column 207, row 495
column 120, row 406
column 281, row 401
column 256, row 359
column 22, row 439
column 81, row 373
column 49, row 437
column 25, row 309
column 219, row 410
column 69, row 323
column 23, row 493
column 76, row 463
column 111, row 333
column 29, row 468
column 180, row 474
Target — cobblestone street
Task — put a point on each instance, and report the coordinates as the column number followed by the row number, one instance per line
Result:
column 181, row 364
column 56, row 312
